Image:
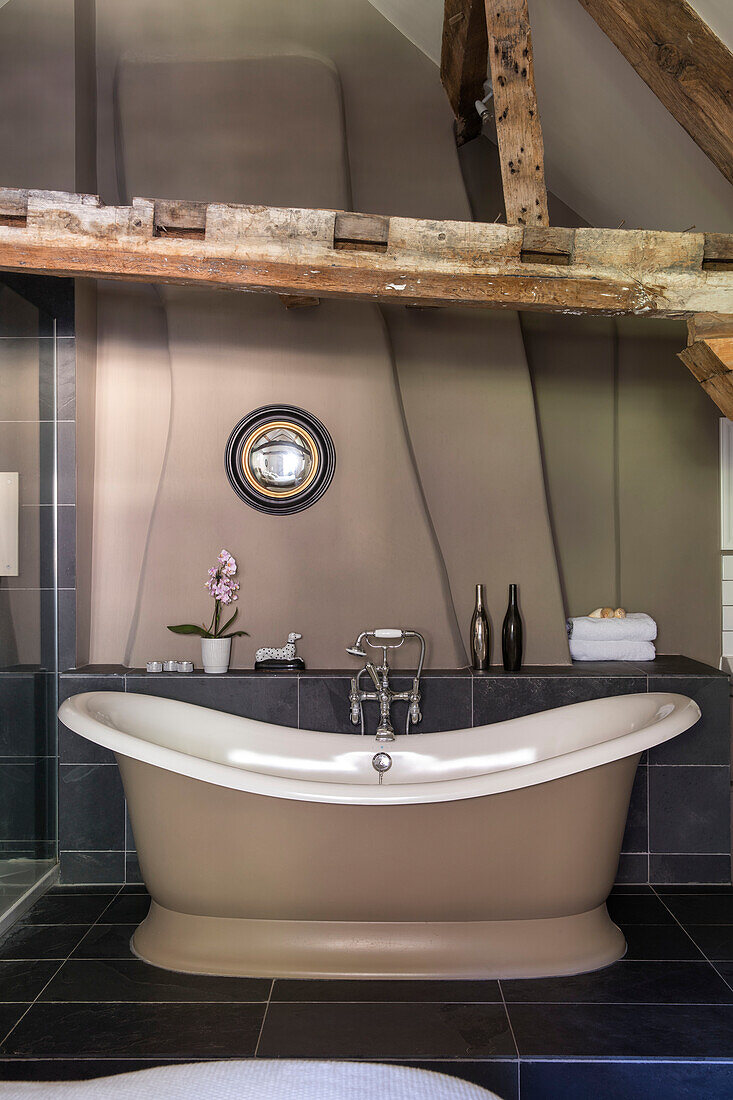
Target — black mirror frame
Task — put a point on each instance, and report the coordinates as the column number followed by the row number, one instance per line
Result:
column 256, row 421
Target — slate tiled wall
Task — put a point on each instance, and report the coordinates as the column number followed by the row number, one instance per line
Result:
column 678, row 824
column 28, row 785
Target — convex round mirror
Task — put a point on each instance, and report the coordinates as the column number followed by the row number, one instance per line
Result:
column 280, row 459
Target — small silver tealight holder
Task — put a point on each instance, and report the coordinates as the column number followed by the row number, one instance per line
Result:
column 184, row 666
column 154, row 666
column 170, row 666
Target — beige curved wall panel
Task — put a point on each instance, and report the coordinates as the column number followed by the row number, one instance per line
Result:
column 355, row 116
column 470, row 412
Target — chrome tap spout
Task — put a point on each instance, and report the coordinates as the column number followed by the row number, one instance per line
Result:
column 383, row 694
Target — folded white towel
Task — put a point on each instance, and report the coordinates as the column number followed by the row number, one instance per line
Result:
column 617, row 650
column 639, row 627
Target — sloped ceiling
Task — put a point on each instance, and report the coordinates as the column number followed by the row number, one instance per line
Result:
column 612, row 151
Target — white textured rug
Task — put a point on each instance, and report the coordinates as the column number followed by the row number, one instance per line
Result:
column 258, row 1080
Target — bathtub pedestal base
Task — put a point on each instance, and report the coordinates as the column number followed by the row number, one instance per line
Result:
column 351, row 949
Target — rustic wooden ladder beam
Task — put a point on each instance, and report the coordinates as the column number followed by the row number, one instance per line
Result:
column 327, row 253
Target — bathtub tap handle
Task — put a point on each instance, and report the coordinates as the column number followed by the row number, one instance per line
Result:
column 373, row 673
column 381, row 762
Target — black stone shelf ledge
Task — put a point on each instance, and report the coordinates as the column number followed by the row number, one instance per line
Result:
column 673, row 664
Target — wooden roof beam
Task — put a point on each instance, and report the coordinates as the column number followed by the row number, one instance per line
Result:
column 464, row 63
column 683, row 62
column 334, row 254
column 518, row 129
column 709, row 355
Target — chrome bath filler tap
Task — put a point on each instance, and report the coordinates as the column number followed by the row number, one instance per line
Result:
column 383, row 694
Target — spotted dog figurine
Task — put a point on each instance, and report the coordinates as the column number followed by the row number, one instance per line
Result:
column 284, row 658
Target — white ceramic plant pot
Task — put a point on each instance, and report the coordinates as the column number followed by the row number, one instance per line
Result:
column 215, row 654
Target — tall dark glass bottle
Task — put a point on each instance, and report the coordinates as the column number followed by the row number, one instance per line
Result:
column 480, row 633
column 511, row 634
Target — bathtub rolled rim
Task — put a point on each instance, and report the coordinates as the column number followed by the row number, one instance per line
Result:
column 683, row 713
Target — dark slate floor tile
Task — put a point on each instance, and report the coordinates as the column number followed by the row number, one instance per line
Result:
column 571, row 671
column 560, row 1080
column 99, row 868
column 691, row 869
column 65, row 464
column 701, row 908
column 133, row 874
column 324, row 704
column 67, row 889
column 386, row 1031
column 638, row 909
column 155, row 1030
column 23, row 981
column 76, row 1069
column 266, row 698
column 708, row 741
column 632, row 868
column 66, row 645
column 631, row 888
column 66, row 545
column 497, row 699
column 626, row 983
column 623, row 1031
column 106, row 941
column 65, row 381
column 133, row 980
column 500, row 1077
column 676, row 664
column 715, row 940
column 56, row 908
column 694, row 888
column 51, row 941
column 725, row 968
column 74, row 749
column 25, row 813
column 23, row 707
column 9, row 1016
column 635, row 834
column 344, row 990
column 689, row 809
column 128, row 909
column 91, row 808
column 445, row 704
column 657, row 942
column 134, row 888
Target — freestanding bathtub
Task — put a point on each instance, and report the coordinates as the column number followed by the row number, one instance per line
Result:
column 486, row 852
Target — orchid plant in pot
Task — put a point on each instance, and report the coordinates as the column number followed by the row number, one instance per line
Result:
column 216, row 644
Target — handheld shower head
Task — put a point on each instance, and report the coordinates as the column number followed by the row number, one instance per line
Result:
column 356, row 650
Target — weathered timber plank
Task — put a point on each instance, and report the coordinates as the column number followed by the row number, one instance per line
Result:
column 179, row 218
column 720, row 390
column 294, row 252
column 710, row 359
column 518, row 129
column 464, row 63
column 542, row 245
column 718, row 252
column 298, row 301
column 709, row 324
column 368, row 232
column 683, row 62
